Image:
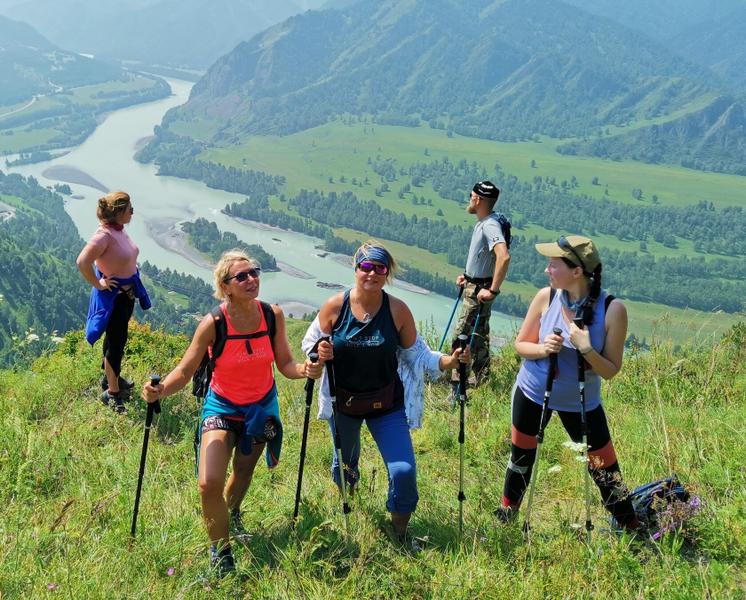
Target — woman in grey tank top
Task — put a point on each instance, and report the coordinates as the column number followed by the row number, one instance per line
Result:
column 574, row 271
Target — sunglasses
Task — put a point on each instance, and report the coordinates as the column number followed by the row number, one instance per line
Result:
column 244, row 275
column 565, row 245
column 367, row 266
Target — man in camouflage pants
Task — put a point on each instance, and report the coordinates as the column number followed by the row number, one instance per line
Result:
column 486, row 268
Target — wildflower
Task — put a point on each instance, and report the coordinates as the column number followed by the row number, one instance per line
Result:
column 576, row 446
column 51, row 586
column 554, row 469
column 57, row 339
column 170, row 571
column 32, row 337
column 581, row 459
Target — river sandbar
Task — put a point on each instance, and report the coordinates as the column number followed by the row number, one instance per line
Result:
column 68, row 174
column 169, row 236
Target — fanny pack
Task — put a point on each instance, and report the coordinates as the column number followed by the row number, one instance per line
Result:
column 360, row 404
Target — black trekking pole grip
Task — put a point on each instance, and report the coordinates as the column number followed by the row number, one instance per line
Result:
column 553, row 360
column 462, row 341
column 153, row 407
column 314, row 358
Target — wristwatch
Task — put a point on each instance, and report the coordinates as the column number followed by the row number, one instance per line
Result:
column 494, row 292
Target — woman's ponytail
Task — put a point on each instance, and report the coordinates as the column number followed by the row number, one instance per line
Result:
column 593, row 295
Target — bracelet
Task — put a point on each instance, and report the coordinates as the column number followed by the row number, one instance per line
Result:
column 586, row 353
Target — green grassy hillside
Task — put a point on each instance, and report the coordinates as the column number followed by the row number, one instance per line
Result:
column 69, row 469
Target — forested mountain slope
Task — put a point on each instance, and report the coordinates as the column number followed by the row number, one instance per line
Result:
column 30, row 64
column 501, row 70
column 720, row 44
column 713, row 139
column 662, row 19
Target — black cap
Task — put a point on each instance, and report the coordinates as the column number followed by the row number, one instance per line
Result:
column 486, row 189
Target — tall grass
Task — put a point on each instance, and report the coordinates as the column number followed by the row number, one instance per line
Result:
column 68, row 468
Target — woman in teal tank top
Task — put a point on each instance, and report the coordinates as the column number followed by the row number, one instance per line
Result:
column 368, row 327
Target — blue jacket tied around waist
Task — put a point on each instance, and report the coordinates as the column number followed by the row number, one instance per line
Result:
column 101, row 304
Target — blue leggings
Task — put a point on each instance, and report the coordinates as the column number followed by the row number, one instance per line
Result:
column 391, row 434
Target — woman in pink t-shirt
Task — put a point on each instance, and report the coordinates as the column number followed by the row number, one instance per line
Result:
column 110, row 254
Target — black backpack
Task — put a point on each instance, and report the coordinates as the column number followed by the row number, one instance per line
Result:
column 663, row 505
column 505, row 226
column 203, row 374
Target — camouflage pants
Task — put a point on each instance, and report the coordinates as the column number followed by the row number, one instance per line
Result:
column 480, row 349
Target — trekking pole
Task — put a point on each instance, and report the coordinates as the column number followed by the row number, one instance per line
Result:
column 476, row 322
column 153, row 408
column 474, row 330
column 309, row 397
column 450, row 319
column 540, row 436
column 584, row 433
column 462, row 340
column 338, row 442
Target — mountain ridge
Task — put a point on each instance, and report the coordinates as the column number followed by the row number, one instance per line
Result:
column 32, row 65
column 422, row 59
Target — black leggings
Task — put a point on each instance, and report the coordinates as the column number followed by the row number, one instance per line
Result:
column 602, row 462
column 116, row 331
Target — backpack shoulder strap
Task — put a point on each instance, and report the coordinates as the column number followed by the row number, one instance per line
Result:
column 271, row 320
column 552, row 294
column 505, row 228
column 221, row 332
column 609, row 300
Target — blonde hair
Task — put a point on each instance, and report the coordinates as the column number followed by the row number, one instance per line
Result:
column 364, row 250
column 111, row 206
column 223, row 268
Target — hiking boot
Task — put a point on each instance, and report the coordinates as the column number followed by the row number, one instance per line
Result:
column 125, row 385
column 222, row 563
column 635, row 527
column 113, row 401
column 506, row 514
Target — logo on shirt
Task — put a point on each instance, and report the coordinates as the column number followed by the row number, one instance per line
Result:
column 365, row 341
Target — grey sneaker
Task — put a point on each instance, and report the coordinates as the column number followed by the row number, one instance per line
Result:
column 410, row 543
column 506, row 514
column 113, row 401
column 222, row 563
column 125, row 385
